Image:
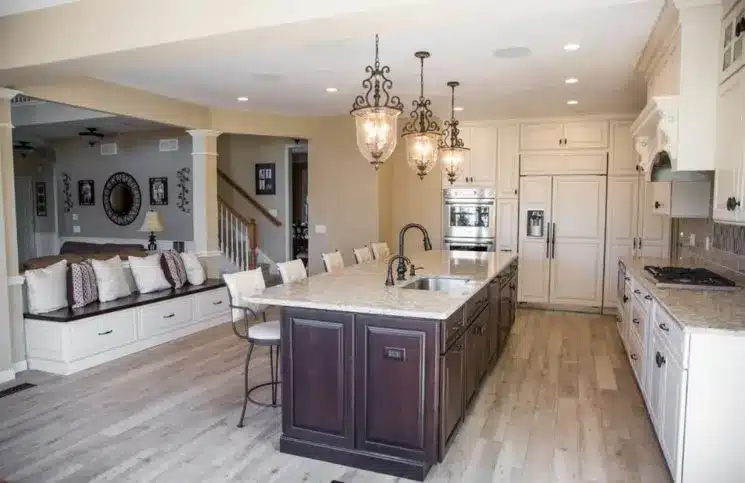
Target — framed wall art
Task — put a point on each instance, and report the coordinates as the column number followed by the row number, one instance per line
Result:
column 266, row 178
column 41, row 198
column 159, row 191
column 86, row 193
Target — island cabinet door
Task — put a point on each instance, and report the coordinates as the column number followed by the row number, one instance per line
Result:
column 396, row 391
column 452, row 366
column 493, row 331
column 317, row 357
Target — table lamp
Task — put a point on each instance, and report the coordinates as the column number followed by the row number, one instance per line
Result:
column 152, row 224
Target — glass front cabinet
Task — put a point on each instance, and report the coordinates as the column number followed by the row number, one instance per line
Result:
column 733, row 41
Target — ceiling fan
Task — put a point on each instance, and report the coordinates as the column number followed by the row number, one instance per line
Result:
column 24, row 147
column 93, row 134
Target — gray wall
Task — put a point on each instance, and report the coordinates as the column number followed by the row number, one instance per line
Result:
column 237, row 155
column 40, row 167
column 138, row 156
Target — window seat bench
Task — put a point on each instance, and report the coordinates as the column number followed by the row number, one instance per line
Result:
column 70, row 340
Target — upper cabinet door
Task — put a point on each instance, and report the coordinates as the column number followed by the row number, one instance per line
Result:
column 483, row 165
column 623, row 158
column 662, row 197
column 732, row 56
column 541, row 136
column 586, row 135
column 728, row 178
column 508, row 161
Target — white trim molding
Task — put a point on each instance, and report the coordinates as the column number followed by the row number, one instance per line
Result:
column 8, row 94
column 7, row 375
column 20, row 366
column 16, row 280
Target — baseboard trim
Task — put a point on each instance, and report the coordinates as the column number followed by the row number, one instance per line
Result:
column 7, row 375
column 20, row 366
column 70, row 367
column 561, row 307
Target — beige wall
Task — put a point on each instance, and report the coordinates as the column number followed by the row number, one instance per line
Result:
column 385, row 203
column 237, row 157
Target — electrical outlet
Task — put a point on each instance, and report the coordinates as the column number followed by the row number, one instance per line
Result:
column 321, row 229
column 692, row 239
column 74, row 217
column 76, row 229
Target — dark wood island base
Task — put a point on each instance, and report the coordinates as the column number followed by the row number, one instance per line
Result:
column 383, row 393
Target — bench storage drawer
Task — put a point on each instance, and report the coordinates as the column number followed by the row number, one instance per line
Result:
column 212, row 303
column 98, row 334
column 165, row 316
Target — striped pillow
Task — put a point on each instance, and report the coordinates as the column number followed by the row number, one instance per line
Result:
column 82, row 288
column 173, row 268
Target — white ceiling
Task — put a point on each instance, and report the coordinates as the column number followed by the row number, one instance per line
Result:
column 285, row 69
column 109, row 126
column 12, row 7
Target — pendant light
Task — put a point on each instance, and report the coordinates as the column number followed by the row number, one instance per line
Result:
column 376, row 113
column 452, row 151
column 422, row 133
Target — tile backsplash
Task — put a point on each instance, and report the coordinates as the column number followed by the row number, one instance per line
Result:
column 728, row 250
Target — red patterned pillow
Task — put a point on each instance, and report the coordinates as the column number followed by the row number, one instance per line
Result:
column 173, row 268
column 82, row 288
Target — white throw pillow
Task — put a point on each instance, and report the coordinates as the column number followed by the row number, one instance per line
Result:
column 194, row 270
column 112, row 284
column 148, row 274
column 46, row 288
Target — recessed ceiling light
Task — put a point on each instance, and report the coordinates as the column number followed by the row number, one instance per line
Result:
column 457, row 108
column 571, row 80
column 332, row 89
column 512, row 52
column 571, row 47
column 572, row 102
column 243, row 99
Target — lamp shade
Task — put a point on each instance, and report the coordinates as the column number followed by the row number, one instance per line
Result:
column 152, row 222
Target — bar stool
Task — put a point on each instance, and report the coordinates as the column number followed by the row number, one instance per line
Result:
column 333, row 262
column 292, row 271
column 363, row 255
column 267, row 333
column 380, row 250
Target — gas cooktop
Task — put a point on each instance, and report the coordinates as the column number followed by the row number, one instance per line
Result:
column 694, row 278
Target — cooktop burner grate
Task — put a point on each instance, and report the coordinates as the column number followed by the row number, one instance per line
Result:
column 688, row 276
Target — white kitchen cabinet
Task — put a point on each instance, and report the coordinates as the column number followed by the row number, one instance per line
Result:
column 621, row 228
column 654, row 230
column 507, row 216
column 728, row 174
column 556, row 163
column 675, row 380
column 535, row 249
column 733, row 35
column 480, row 167
column 508, row 161
column 682, row 199
column 623, row 158
column 568, row 135
column 656, row 383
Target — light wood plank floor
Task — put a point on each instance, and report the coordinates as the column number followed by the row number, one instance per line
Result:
column 561, row 405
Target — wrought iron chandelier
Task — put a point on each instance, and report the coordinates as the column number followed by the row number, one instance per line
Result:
column 422, row 133
column 452, row 151
column 376, row 113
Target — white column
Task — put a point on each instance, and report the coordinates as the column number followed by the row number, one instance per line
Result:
column 204, row 192
column 8, row 242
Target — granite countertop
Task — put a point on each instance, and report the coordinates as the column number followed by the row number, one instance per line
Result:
column 361, row 288
column 693, row 309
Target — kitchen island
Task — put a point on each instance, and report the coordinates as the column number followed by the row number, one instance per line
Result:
column 379, row 377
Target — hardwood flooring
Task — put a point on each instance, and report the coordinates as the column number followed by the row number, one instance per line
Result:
column 561, row 405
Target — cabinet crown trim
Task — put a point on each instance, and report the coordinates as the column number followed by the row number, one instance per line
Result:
column 656, row 129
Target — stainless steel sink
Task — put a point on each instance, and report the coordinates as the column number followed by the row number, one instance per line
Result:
column 438, row 284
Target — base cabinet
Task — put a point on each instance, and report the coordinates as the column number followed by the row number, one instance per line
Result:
column 451, row 404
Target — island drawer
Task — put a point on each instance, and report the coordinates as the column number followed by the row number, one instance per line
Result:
column 668, row 329
column 474, row 305
column 451, row 327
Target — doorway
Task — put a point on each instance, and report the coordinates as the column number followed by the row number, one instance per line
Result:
column 25, row 227
column 298, row 202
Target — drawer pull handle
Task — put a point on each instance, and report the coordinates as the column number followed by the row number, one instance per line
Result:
column 647, row 297
column 659, row 359
column 168, row 316
column 625, row 299
column 664, row 327
column 634, row 356
column 637, row 291
column 219, row 302
column 627, row 278
column 636, row 321
column 106, row 332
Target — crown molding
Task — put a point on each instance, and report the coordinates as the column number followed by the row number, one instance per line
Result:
column 660, row 39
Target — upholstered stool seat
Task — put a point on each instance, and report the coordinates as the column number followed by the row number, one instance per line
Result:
column 265, row 331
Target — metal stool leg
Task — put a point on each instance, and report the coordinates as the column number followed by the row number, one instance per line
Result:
column 245, row 381
column 275, row 377
column 271, row 375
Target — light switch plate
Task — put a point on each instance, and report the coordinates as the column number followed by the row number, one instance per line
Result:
column 321, row 229
column 74, row 217
column 76, row 229
column 274, row 212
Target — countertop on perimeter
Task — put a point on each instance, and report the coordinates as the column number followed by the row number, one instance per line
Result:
column 694, row 309
column 361, row 288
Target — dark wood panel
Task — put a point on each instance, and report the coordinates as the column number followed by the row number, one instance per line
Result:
column 316, row 373
column 452, row 366
column 452, row 328
column 396, row 395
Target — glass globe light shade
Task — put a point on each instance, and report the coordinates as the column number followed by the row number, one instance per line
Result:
column 422, row 152
column 453, row 161
column 377, row 133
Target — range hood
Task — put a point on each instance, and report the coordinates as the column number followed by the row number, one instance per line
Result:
column 683, row 123
column 661, row 169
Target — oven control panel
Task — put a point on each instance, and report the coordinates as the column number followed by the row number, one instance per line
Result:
column 469, row 193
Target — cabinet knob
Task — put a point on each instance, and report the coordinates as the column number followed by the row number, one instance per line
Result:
column 647, row 297
column 636, row 321
column 659, row 359
column 657, row 204
column 634, row 356
column 625, row 299
column 637, row 291
column 664, row 327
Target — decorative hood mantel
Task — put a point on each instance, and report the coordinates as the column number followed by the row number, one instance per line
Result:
column 683, row 122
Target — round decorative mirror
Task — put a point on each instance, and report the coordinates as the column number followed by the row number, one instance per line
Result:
column 122, row 198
